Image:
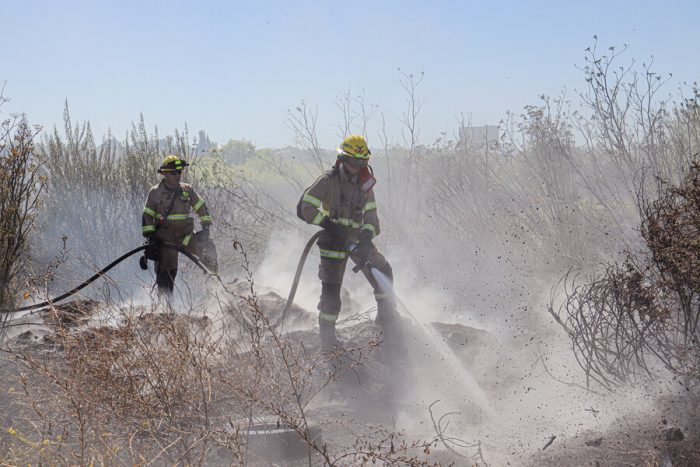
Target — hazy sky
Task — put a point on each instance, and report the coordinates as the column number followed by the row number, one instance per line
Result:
column 233, row 68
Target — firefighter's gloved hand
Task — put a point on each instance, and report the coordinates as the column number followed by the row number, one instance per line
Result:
column 204, row 234
column 365, row 236
column 364, row 244
column 152, row 250
column 330, row 227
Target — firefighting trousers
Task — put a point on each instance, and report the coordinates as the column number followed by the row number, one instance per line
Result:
column 331, row 272
column 167, row 264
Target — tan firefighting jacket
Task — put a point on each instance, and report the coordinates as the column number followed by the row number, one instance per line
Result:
column 337, row 195
column 178, row 225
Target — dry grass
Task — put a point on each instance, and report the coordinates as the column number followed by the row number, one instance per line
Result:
column 178, row 389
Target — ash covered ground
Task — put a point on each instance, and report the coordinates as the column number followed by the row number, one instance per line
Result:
column 479, row 399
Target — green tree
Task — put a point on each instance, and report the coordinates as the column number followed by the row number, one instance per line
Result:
column 237, row 151
column 21, row 183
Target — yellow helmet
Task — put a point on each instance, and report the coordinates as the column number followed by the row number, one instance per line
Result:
column 172, row 163
column 354, row 146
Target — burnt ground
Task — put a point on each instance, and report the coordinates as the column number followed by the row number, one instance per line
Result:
column 658, row 430
column 668, row 436
column 396, row 386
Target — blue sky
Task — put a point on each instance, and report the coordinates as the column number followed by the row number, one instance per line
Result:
column 234, row 68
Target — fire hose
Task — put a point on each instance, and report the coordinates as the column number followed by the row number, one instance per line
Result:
column 279, row 322
column 300, row 266
column 295, row 283
column 102, row 272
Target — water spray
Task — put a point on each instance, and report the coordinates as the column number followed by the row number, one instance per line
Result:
column 435, row 339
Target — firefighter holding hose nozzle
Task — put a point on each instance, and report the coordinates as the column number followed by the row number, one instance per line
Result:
column 168, row 219
column 342, row 202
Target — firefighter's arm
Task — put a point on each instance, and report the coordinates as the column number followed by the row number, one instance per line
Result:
column 370, row 220
column 148, row 218
column 200, row 208
column 311, row 203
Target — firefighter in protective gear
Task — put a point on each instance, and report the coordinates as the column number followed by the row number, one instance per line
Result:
column 168, row 218
column 342, row 202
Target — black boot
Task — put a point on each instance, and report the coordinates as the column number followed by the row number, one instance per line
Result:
column 329, row 308
column 165, row 280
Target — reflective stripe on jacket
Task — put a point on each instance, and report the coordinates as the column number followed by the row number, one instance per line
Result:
column 179, row 222
column 337, row 195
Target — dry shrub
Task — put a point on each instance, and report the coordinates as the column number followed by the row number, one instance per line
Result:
column 609, row 319
column 93, row 188
column 179, row 389
column 96, row 192
column 135, row 393
column 629, row 316
column 671, row 228
column 562, row 182
column 21, row 184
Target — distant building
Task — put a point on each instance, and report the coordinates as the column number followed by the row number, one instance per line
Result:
column 479, row 137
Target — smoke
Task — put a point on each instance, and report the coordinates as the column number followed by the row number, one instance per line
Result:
column 511, row 392
column 279, row 264
column 483, row 269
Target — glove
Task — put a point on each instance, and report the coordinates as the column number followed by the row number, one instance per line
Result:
column 204, row 234
column 330, row 227
column 152, row 250
column 364, row 244
column 143, row 262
